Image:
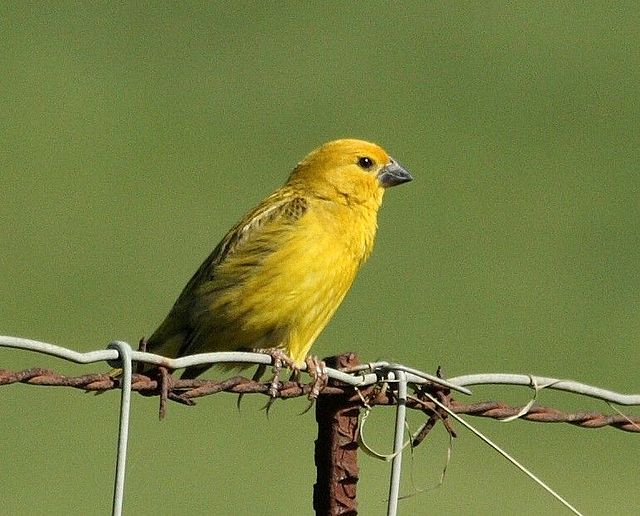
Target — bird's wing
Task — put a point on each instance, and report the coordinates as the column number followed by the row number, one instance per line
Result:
column 271, row 214
column 277, row 213
column 256, row 236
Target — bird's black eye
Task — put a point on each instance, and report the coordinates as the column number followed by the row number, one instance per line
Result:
column 365, row 162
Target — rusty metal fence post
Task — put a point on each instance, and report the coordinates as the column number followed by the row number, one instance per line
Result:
column 336, row 449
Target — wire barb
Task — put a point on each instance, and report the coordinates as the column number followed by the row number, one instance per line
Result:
column 353, row 386
column 186, row 391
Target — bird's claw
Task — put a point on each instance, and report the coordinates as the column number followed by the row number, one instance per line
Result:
column 317, row 369
column 280, row 359
column 275, row 381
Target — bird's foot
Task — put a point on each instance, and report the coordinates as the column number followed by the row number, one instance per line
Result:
column 280, row 360
column 317, row 369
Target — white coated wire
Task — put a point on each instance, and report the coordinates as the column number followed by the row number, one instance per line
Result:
column 119, row 354
column 547, row 383
column 123, row 431
column 396, row 464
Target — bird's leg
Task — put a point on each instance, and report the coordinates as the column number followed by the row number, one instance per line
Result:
column 280, row 359
column 317, row 369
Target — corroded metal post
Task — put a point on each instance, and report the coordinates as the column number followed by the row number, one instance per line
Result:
column 336, row 452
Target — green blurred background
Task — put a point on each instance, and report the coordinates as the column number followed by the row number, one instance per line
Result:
column 134, row 136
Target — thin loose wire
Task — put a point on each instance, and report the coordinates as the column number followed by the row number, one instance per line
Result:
column 506, row 455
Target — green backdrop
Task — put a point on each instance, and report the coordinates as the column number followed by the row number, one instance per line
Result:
column 135, row 135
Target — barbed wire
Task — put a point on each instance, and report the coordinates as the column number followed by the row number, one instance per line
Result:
column 359, row 376
column 355, row 385
column 185, row 391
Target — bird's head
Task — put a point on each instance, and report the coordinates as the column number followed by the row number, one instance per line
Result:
column 349, row 171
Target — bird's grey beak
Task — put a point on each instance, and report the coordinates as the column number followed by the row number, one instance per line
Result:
column 393, row 174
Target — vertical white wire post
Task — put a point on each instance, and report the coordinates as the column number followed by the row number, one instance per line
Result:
column 124, row 351
column 396, row 465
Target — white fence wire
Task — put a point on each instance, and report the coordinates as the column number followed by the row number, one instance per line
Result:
column 120, row 354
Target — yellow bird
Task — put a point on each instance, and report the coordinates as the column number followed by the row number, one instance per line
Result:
column 278, row 276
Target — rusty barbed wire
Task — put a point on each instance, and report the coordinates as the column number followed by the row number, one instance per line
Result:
column 542, row 414
column 185, row 391
column 353, row 385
